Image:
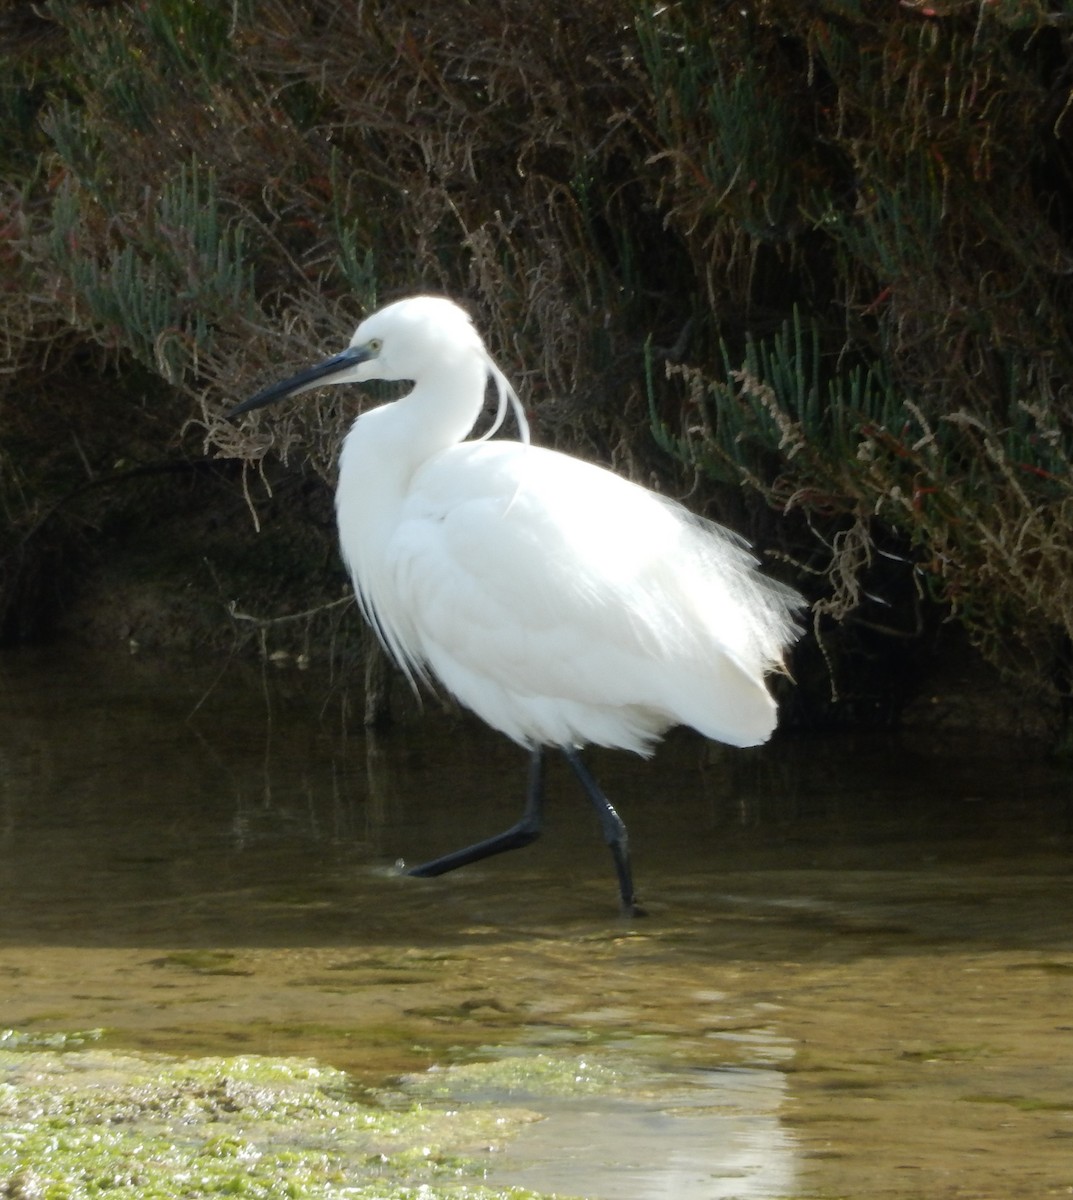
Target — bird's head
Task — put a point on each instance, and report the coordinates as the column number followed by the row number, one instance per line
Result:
column 410, row 338
column 405, row 340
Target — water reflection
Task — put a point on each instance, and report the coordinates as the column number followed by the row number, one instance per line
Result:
column 715, row 1134
column 858, row 961
column 114, row 773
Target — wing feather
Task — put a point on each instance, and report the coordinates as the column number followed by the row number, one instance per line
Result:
column 564, row 604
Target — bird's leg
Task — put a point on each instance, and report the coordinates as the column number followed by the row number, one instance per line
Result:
column 614, row 830
column 525, row 831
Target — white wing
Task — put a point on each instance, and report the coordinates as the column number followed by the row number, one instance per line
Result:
column 566, row 605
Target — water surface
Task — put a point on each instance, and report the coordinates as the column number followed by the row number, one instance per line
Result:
column 855, row 978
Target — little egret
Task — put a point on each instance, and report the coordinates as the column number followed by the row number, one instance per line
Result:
column 561, row 603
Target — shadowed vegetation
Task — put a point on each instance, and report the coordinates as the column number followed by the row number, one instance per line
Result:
column 809, row 263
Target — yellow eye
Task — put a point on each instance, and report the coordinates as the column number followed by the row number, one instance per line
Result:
column 374, row 345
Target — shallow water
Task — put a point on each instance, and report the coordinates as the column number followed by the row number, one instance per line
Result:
column 855, row 978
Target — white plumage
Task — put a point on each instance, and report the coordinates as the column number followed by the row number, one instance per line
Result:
column 561, row 603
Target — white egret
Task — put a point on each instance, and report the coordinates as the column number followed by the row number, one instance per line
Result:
column 561, row 603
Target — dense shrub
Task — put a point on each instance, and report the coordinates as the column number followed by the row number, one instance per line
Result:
column 812, row 263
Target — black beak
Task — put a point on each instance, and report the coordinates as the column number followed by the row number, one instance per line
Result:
column 303, row 380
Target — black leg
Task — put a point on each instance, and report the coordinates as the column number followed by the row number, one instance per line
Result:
column 614, row 831
column 525, row 831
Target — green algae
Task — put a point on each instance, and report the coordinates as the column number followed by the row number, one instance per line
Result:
column 78, row 1122
column 514, row 1073
column 22, row 1039
column 203, row 962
